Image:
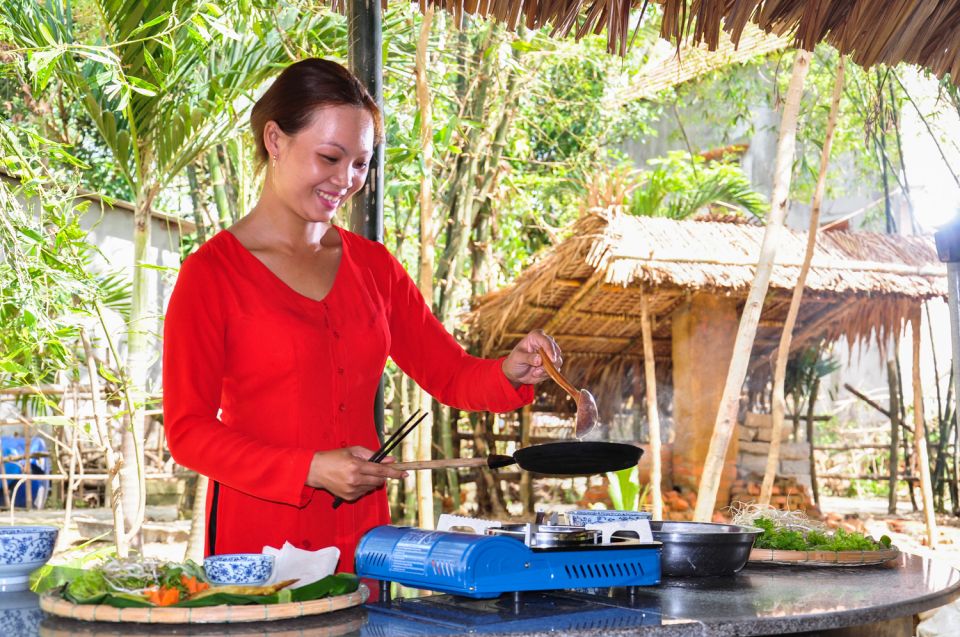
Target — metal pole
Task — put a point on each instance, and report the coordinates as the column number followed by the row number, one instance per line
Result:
column 365, row 59
column 948, row 249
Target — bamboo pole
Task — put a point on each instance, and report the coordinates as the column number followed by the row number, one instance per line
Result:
column 786, row 336
column 920, row 438
column 424, row 441
column 729, row 404
column 653, row 416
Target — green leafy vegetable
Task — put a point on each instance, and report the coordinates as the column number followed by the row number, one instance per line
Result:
column 785, row 539
column 121, row 583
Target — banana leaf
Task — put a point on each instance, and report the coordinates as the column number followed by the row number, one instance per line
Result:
column 339, row 584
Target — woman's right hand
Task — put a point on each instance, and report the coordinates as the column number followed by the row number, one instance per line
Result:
column 348, row 473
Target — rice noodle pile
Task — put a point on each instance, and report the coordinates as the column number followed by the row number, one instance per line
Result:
column 119, row 574
column 746, row 513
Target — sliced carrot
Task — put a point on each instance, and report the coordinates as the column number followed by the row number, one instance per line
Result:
column 192, row 584
column 169, row 596
column 152, row 595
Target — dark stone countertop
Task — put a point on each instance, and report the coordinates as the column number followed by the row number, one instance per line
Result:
column 760, row 600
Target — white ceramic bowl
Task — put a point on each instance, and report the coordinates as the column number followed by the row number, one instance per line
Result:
column 239, row 568
column 23, row 549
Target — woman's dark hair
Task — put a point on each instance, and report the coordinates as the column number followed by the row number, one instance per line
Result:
column 303, row 87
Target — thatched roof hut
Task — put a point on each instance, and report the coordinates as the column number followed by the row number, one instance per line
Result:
column 873, row 31
column 586, row 291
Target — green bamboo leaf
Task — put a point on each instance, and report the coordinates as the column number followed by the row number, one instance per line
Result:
column 142, row 86
column 163, row 17
column 152, row 65
column 47, row 35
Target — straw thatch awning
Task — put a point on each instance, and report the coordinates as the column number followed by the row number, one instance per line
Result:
column 586, row 291
column 690, row 61
column 873, row 31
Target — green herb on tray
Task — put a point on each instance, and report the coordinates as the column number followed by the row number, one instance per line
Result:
column 791, row 539
column 144, row 583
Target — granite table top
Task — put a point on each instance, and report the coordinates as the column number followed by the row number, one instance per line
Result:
column 760, row 600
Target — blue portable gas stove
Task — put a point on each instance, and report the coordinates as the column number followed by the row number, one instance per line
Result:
column 507, row 558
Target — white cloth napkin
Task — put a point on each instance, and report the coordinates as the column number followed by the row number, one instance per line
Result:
column 307, row 567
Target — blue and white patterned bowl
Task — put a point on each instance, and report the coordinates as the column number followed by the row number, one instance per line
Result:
column 23, row 549
column 239, row 568
column 20, row 613
column 599, row 516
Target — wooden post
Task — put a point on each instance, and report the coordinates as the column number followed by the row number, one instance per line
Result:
column 920, row 437
column 729, row 405
column 786, row 336
column 894, row 414
column 526, row 481
column 810, row 440
column 653, row 416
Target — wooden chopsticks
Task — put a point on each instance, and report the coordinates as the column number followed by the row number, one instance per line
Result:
column 391, row 443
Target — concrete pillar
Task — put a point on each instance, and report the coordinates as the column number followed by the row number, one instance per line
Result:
column 704, row 330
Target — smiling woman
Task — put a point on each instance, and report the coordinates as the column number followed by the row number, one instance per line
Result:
column 279, row 327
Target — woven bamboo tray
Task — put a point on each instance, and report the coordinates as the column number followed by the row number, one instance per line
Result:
column 224, row 614
column 822, row 558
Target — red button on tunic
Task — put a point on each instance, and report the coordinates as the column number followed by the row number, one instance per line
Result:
column 257, row 377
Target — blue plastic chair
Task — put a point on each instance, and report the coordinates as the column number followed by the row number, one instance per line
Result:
column 14, row 446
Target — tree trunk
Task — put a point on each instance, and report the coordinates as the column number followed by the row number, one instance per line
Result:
column 727, row 413
column 104, row 435
column 920, row 438
column 653, row 416
column 139, row 352
column 786, row 336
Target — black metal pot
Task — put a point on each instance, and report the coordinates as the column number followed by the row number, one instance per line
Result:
column 702, row 549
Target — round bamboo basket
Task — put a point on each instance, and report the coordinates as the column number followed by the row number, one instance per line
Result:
column 224, row 614
column 822, row 558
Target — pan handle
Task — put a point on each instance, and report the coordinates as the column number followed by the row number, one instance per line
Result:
column 493, row 462
column 555, row 374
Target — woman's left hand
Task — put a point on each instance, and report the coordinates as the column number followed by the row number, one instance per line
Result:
column 523, row 366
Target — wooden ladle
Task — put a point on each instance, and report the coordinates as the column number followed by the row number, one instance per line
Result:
column 587, row 414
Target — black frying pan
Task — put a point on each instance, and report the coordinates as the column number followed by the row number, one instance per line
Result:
column 569, row 458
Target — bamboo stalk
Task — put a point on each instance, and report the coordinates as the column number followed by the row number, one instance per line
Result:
column 653, row 416
column 746, row 333
column 783, row 351
column 920, row 438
